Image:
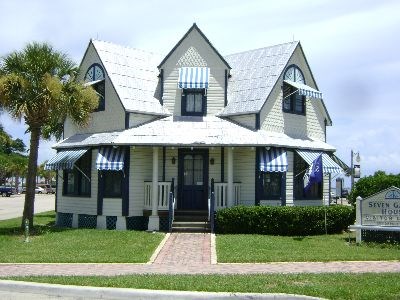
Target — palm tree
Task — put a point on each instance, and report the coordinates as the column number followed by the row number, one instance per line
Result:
column 38, row 84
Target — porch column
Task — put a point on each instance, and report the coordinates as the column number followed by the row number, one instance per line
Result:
column 230, row 177
column 154, row 220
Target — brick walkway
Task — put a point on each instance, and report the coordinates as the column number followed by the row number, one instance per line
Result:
column 192, row 254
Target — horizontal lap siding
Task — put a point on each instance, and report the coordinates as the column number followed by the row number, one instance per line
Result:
column 112, row 207
column 79, row 205
column 140, row 171
column 244, row 172
column 248, row 121
column 139, row 119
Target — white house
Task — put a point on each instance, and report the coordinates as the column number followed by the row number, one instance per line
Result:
column 252, row 121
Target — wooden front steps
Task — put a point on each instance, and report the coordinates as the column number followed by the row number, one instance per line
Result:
column 191, row 221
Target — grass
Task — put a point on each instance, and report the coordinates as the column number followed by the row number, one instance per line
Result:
column 331, row 286
column 49, row 244
column 265, row 248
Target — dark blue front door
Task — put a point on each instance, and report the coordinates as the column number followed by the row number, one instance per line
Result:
column 193, row 179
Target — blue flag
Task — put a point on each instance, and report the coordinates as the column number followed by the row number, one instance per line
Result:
column 314, row 175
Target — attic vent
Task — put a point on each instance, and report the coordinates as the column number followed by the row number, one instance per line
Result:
column 191, row 58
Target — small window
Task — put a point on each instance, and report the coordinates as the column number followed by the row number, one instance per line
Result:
column 299, row 169
column 75, row 183
column 272, row 185
column 112, row 184
column 193, row 102
column 95, row 77
column 292, row 101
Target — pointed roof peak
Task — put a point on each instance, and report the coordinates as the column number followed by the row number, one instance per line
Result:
column 193, row 27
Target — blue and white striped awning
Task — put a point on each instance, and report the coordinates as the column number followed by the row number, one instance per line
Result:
column 305, row 90
column 110, row 158
column 273, row 160
column 193, row 78
column 65, row 159
column 328, row 165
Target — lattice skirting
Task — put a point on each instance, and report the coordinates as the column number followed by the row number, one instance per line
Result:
column 111, row 222
column 87, row 221
column 164, row 225
column 64, row 219
column 137, row 223
column 380, row 236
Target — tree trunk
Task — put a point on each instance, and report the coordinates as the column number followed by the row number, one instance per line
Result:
column 31, row 178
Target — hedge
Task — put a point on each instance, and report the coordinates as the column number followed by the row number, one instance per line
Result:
column 284, row 220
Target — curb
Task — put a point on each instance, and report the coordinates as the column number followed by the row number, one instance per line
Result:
column 83, row 292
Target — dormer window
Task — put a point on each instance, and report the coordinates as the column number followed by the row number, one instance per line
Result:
column 193, row 102
column 95, row 77
column 193, row 81
column 293, row 101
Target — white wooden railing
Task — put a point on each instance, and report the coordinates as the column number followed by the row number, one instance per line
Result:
column 164, row 188
column 221, row 194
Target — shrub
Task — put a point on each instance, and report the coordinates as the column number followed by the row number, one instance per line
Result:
column 284, row 220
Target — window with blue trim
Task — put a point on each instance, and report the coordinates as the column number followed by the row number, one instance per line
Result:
column 112, row 184
column 292, row 101
column 193, row 102
column 299, row 169
column 271, row 185
column 95, row 77
column 75, row 183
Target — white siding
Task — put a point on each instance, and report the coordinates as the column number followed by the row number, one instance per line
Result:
column 244, row 172
column 273, row 119
column 139, row 119
column 141, row 168
column 194, row 51
column 214, row 170
column 79, row 205
column 289, row 178
column 248, row 121
column 112, row 118
column 112, row 207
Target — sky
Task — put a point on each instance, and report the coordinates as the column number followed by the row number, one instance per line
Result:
column 352, row 48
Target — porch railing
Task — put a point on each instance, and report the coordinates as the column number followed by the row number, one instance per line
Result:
column 221, row 194
column 164, row 188
column 171, row 206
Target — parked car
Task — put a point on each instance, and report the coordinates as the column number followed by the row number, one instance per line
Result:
column 38, row 190
column 6, row 191
column 47, row 188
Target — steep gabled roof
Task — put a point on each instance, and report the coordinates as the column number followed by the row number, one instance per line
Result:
column 254, row 74
column 194, row 27
column 133, row 74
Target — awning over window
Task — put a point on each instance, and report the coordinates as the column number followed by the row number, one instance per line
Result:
column 65, row 159
column 328, row 165
column 273, row 160
column 110, row 158
column 193, row 78
column 305, row 90
column 342, row 164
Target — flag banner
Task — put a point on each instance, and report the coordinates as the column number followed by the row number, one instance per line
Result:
column 314, row 174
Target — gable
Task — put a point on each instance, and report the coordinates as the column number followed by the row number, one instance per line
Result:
column 197, row 30
column 194, row 50
column 112, row 117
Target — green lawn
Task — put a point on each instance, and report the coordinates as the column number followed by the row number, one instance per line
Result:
column 64, row 245
column 331, row 286
column 265, row 248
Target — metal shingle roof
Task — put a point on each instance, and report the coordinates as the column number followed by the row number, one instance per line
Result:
column 134, row 74
column 253, row 76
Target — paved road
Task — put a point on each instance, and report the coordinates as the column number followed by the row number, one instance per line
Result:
column 13, row 206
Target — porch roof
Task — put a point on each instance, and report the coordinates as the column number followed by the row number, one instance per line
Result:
column 193, row 132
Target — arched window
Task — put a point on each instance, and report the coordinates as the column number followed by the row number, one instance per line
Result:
column 293, row 102
column 95, row 77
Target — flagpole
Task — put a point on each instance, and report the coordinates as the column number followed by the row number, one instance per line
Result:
column 352, row 170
